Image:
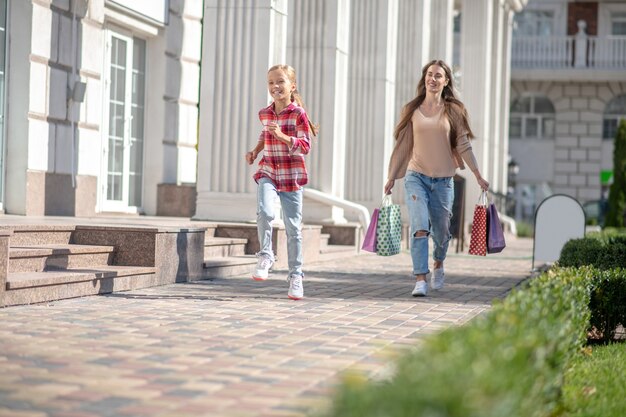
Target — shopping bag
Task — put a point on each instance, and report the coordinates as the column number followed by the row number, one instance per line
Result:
column 389, row 228
column 369, row 243
column 495, row 235
column 478, row 239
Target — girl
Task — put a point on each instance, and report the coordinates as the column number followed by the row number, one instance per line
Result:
column 285, row 140
column 432, row 140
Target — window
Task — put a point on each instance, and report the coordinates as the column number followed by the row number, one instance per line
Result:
column 618, row 23
column 532, row 117
column 614, row 112
column 534, row 23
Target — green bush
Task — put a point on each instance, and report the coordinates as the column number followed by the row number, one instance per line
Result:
column 608, row 301
column 524, row 229
column 601, row 250
column 580, row 252
column 509, row 362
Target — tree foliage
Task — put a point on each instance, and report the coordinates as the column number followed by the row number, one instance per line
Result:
column 617, row 194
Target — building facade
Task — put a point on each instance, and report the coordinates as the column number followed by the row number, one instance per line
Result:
column 131, row 106
column 357, row 62
column 568, row 93
column 98, row 105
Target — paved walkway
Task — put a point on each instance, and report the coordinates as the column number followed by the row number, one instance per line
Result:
column 234, row 347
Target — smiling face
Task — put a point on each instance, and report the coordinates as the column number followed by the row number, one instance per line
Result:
column 279, row 85
column 435, row 79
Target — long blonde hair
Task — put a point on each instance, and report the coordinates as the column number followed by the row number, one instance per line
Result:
column 454, row 108
column 290, row 72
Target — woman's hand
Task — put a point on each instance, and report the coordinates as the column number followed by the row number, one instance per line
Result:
column 250, row 157
column 389, row 186
column 483, row 183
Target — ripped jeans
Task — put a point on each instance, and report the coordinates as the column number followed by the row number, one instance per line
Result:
column 429, row 202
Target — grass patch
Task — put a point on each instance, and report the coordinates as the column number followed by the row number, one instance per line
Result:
column 595, row 384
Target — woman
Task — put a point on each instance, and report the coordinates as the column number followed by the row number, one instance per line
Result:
column 432, row 140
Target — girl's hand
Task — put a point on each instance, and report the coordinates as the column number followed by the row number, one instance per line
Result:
column 274, row 129
column 389, row 186
column 250, row 157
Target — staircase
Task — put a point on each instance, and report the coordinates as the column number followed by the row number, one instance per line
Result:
column 47, row 262
column 44, row 264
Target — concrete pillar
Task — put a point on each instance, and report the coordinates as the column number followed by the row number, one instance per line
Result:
column 241, row 40
column 414, row 51
column 18, row 122
column 181, row 52
column 442, row 25
column 371, row 115
column 317, row 47
column 476, row 84
column 505, row 97
column 497, row 88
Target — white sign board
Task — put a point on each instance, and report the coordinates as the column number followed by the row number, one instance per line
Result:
column 558, row 218
column 153, row 9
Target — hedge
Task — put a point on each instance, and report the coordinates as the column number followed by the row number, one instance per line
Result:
column 509, row 362
column 601, row 251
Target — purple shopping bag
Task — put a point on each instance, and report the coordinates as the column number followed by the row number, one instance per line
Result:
column 369, row 243
column 495, row 235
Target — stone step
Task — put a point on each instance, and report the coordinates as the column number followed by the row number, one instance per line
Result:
column 40, row 234
column 38, row 287
column 229, row 266
column 39, row 258
column 324, row 239
column 223, row 246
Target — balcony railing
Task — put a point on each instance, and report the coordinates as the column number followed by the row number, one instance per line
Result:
column 578, row 51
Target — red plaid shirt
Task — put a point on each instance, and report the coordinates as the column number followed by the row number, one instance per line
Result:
column 280, row 163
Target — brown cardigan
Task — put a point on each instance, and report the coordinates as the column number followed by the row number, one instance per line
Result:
column 402, row 151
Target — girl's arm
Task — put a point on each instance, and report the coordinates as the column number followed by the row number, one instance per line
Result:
column 251, row 155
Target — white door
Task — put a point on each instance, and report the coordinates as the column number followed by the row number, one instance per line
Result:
column 123, row 127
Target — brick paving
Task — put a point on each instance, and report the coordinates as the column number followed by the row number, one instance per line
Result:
column 234, row 347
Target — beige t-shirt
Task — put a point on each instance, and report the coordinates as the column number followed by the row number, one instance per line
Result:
column 432, row 152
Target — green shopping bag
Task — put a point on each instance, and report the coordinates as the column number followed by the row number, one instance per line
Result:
column 389, row 228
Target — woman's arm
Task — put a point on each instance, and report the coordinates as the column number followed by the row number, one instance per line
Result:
column 465, row 150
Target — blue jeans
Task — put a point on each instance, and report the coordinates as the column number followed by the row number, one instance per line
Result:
column 429, row 202
column 291, row 203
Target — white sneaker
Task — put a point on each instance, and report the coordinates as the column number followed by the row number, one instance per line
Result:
column 296, row 287
column 437, row 279
column 421, row 289
column 262, row 270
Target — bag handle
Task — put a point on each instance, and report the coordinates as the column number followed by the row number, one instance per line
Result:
column 387, row 201
column 483, row 199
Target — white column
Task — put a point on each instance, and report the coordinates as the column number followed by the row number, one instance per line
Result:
column 20, row 71
column 241, row 40
column 317, row 47
column 442, row 12
column 496, row 110
column 182, row 82
column 476, row 56
column 414, row 30
column 505, row 97
column 371, row 114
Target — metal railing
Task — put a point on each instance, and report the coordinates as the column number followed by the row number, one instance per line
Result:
column 580, row 51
